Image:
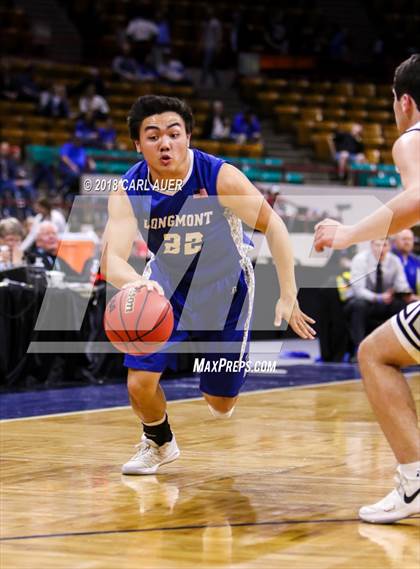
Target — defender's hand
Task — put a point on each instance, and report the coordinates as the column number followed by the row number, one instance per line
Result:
column 298, row 320
column 331, row 233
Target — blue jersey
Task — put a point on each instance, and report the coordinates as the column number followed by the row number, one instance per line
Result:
column 189, row 233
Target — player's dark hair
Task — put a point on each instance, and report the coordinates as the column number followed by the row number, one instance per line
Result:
column 407, row 79
column 149, row 105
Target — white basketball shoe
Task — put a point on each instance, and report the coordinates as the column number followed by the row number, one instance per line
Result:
column 402, row 502
column 150, row 456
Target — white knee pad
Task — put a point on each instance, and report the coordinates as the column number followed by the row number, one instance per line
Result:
column 219, row 415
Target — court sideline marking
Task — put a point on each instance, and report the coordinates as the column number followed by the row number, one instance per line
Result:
column 243, row 394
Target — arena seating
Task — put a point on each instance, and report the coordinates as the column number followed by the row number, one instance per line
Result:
column 313, row 111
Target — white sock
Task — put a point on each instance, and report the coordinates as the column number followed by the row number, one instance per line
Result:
column 220, row 415
column 411, row 470
column 155, row 423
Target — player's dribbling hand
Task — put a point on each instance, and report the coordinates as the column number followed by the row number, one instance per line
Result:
column 298, row 320
column 150, row 285
column 331, row 233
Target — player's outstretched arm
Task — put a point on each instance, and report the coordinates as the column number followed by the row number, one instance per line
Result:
column 401, row 212
column 237, row 193
column 120, row 232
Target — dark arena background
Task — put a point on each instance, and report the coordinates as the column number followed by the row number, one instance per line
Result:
column 296, row 95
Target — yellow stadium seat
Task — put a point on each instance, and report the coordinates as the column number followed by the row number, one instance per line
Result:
column 209, row 146
column 304, row 130
column 380, row 103
column 373, row 155
column 337, row 101
column 345, row 89
column 372, row 130
column 357, row 115
column 386, row 157
column 286, row 116
column 39, row 137
column 390, row 132
column 290, row 98
column 314, row 100
column 380, row 116
column 332, row 114
column 373, row 141
column 311, row 114
column 252, row 150
column 325, row 126
column 358, row 102
column 365, row 90
column 13, row 135
column 323, row 146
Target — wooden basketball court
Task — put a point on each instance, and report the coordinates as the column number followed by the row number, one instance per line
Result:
column 277, row 486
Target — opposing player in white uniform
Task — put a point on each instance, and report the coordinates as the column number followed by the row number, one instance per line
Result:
column 396, row 343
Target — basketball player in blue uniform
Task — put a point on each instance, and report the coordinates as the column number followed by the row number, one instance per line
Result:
column 189, row 207
column 396, row 343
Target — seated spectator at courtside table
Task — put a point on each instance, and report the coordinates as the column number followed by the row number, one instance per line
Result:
column 44, row 212
column 246, row 128
column 403, row 245
column 54, row 103
column 91, row 102
column 217, row 126
column 125, row 65
column 380, row 289
column 46, row 248
column 11, row 236
column 348, row 147
column 73, row 162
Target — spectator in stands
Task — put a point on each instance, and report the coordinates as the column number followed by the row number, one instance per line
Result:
column 107, row 135
column 8, row 166
column 73, row 162
column 93, row 77
column 8, row 82
column 28, row 89
column 44, row 212
column 24, row 191
column 125, row 65
column 348, row 147
column 8, row 176
column 142, row 33
column 212, row 39
column 172, row 70
column 86, row 130
column 403, row 245
column 217, row 125
column 11, row 236
column 276, row 32
column 246, row 128
column 46, row 248
column 163, row 39
column 54, row 103
column 380, row 289
column 93, row 103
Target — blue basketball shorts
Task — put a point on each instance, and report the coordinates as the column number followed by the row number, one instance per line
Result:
column 217, row 333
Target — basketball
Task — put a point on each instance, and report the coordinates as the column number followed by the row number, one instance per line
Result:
column 138, row 321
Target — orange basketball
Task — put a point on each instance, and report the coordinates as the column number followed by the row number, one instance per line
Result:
column 138, row 321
